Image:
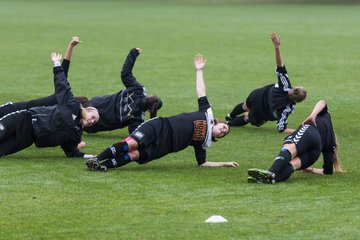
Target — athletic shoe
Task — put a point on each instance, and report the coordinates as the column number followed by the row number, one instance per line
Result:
column 261, row 175
column 93, row 164
column 228, row 117
column 253, row 180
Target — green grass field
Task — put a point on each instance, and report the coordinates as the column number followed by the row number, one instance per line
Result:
column 44, row 195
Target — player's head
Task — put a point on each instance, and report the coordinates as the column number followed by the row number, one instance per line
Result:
column 153, row 104
column 84, row 101
column 297, row 94
column 90, row 116
column 220, row 129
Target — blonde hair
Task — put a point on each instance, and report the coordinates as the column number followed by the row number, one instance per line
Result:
column 297, row 94
column 336, row 160
column 90, row 109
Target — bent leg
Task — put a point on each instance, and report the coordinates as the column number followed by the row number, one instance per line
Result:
column 287, row 153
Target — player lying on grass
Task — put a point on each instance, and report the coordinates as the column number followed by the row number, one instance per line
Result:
column 271, row 102
column 160, row 136
column 125, row 108
column 51, row 126
column 302, row 148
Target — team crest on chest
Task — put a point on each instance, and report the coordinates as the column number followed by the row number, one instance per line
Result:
column 200, row 128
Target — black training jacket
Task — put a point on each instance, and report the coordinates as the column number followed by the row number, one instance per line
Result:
column 124, row 108
column 59, row 124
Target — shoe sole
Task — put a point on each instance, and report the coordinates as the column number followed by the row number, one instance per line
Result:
column 252, row 180
column 92, row 166
column 262, row 175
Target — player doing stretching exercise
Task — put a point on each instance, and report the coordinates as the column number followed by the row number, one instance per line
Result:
column 160, row 136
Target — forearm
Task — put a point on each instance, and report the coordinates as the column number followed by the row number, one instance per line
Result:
column 278, row 57
column 200, row 85
column 219, row 164
column 68, row 52
column 318, row 108
column 314, row 170
column 129, row 62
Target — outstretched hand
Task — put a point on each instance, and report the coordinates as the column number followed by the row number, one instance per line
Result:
column 75, row 41
column 231, row 164
column 275, row 39
column 139, row 49
column 56, row 57
column 199, row 61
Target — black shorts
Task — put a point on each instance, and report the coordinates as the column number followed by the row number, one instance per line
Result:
column 154, row 138
column 256, row 119
column 254, row 102
column 308, row 144
column 16, row 132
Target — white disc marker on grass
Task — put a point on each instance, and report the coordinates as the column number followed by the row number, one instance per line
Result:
column 215, row 219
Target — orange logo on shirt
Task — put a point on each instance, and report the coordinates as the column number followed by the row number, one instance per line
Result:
column 200, row 127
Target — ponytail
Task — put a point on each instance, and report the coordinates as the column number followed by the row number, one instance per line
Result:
column 153, row 104
column 297, row 94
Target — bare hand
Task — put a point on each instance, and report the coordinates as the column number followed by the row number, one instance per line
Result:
column 82, row 144
column 308, row 170
column 139, row 50
column 231, row 164
column 199, row 61
column 275, row 39
column 74, row 41
column 310, row 120
column 55, row 57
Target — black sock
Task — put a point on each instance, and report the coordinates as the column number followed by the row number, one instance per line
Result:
column 285, row 173
column 114, row 150
column 238, row 109
column 119, row 161
column 281, row 161
column 238, row 121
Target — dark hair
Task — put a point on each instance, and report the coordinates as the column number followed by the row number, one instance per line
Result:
column 84, row 101
column 219, row 121
column 153, row 104
column 297, row 94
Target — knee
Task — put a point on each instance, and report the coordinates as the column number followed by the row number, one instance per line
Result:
column 246, row 116
column 134, row 155
column 132, row 143
column 245, row 107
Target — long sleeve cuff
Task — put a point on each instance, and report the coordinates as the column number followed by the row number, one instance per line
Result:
column 57, row 64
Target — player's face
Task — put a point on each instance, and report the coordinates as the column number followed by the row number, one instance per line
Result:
column 89, row 119
column 220, row 130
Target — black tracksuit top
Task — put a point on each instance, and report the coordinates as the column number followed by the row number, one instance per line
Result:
column 275, row 101
column 124, row 108
column 58, row 124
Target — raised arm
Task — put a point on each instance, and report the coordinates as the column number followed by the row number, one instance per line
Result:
column 276, row 41
column 66, row 61
column 127, row 76
column 320, row 105
column 62, row 89
column 74, row 41
column 199, row 62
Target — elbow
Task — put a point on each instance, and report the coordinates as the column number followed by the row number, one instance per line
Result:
column 124, row 74
column 322, row 101
column 281, row 129
column 204, row 164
